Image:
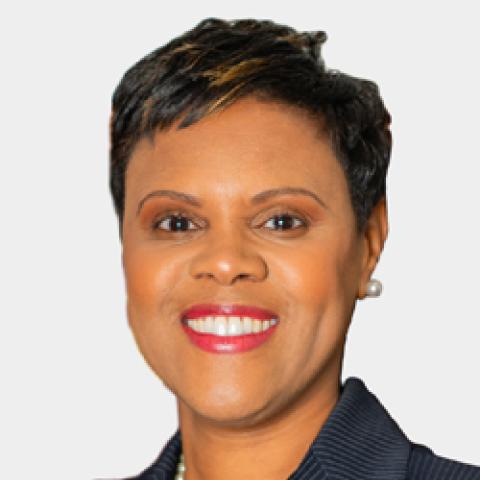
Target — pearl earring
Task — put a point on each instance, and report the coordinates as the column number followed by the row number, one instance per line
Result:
column 374, row 288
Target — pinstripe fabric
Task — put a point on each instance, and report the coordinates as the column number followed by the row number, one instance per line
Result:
column 359, row 441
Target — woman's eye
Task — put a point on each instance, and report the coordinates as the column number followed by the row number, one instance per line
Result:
column 285, row 221
column 173, row 223
column 177, row 222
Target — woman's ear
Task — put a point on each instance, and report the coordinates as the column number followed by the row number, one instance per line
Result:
column 374, row 235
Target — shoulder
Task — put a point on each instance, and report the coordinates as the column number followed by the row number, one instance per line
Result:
column 425, row 464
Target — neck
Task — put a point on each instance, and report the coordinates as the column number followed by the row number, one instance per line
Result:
column 269, row 449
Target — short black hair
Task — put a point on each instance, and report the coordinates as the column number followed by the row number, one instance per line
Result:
column 219, row 61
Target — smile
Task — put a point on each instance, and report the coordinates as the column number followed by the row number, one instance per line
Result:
column 228, row 328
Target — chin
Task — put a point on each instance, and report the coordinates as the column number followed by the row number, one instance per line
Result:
column 228, row 406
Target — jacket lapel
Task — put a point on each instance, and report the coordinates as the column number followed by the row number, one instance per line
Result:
column 359, row 440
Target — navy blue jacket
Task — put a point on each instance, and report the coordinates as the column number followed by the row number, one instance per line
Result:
column 359, row 441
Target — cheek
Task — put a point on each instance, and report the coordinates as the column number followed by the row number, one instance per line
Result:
column 319, row 281
column 150, row 282
column 150, row 278
column 319, row 274
column 142, row 276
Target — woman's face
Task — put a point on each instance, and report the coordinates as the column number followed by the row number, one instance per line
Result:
column 292, row 254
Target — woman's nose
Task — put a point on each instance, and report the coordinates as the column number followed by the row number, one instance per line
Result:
column 227, row 259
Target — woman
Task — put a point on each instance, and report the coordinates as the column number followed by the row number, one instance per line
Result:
column 249, row 183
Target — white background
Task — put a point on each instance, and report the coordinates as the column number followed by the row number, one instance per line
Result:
column 77, row 399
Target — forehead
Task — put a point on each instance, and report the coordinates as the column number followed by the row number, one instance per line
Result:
column 251, row 143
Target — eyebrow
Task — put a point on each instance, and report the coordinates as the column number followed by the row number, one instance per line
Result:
column 274, row 192
column 184, row 197
column 255, row 200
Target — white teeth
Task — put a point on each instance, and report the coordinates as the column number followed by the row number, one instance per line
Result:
column 230, row 325
column 234, row 326
column 209, row 325
column 247, row 325
column 220, row 326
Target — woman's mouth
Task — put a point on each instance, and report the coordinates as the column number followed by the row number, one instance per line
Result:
column 228, row 328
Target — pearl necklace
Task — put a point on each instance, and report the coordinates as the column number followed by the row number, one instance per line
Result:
column 180, row 469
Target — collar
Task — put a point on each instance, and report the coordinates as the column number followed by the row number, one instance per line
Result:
column 359, row 441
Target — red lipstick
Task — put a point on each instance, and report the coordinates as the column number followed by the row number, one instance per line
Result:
column 218, row 341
